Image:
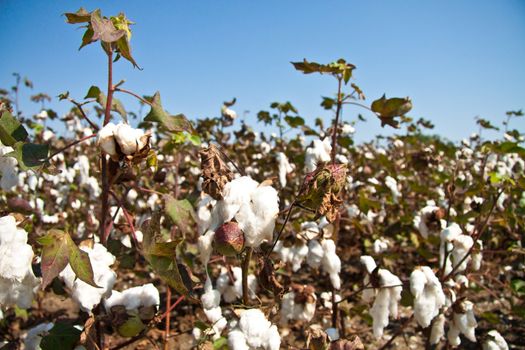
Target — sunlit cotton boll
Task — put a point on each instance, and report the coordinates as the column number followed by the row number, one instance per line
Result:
column 331, row 263
column 438, row 329
column 462, row 323
column 134, row 298
column 317, row 153
column 292, row 310
column 17, row 280
column 82, row 293
column 387, row 295
column 495, row 341
column 211, row 300
column 284, row 168
column 232, row 291
column 428, row 295
column 254, row 331
column 130, row 140
column 380, row 245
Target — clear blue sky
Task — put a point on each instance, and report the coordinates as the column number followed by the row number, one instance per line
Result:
column 456, row 59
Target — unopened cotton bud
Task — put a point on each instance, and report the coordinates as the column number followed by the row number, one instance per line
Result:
column 229, row 239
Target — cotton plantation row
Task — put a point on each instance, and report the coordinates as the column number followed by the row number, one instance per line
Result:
column 212, row 234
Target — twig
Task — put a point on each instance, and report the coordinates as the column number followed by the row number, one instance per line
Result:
column 399, row 331
column 70, row 145
column 245, row 267
column 134, row 95
column 84, row 115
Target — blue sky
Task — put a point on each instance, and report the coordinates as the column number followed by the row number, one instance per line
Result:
column 456, row 59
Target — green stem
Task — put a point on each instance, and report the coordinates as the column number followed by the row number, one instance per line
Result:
column 336, row 123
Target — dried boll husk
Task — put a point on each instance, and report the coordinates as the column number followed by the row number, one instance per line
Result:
column 215, row 172
column 321, row 189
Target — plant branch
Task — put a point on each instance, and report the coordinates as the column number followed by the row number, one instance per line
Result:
column 143, row 100
column 69, row 146
column 84, row 115
column 336, row 122
column 245, row 268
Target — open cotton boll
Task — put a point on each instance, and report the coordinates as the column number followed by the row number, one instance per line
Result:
column 204, row 216
column 284, row 168
column 495, row 341
column 462, row 322
column 392, row 185
column 380, row 245
column 315, row 254
column 130, row 140
column 387, row 295
column 256, row 217
column 134, row 298
column 235, row 193
column 438, row 329
column 17, row 280
column 106, row 140
column 427, row 222
column 82, row 293
column 462, row 245
column 428, row 295
column 331, row 263
column 445, row 247
column 8, row 171
column 291, row 309
column 205, row 244
column 211, row 300
column 257, row 331
column 477, row 256
column 317, row 153
column 34, row 336
column 231, row 292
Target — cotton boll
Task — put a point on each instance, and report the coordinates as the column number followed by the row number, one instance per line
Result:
column 447, row 236
column 392, row 185
column 495, row 341
column 82, row 293
column 331, row 263
column 319, row 152
column 204, row 218
column 205, row 246
column 284, row 168
column 438, row 329
column 380, row 245
column 34, row 335
column 462, row 245
column 427, row 222
column 128, row 138
column 257, row 331
column 8, row 172
column 310, row 230
column 134, row 298
column 106, row 140
column 462, row 322
column 428, row 295
column 231, row 292
column 236, row 193
column 17, row 280
column 369, row 263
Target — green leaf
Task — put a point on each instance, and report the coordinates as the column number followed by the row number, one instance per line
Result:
column 11, row 130
column 81, row 16
column 30, row 156
column 328, row 103
column 181, row 213
column 93, row 92
column 161, row 256
column 294, row 122
column 388, row 108
column 80, row 264
column 338, row 67
column 125, row 50
column 104, row 29
column 518, row 286
column 55, row 254
column 176, row 123
column 220, row 344
column 490, row 317
column 61, row 336
column 116, row 105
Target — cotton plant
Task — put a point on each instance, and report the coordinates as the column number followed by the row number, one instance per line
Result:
column 211, row 300
column 18, row 283
column 386, row 294
column 84, row 294
column 253, row 331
